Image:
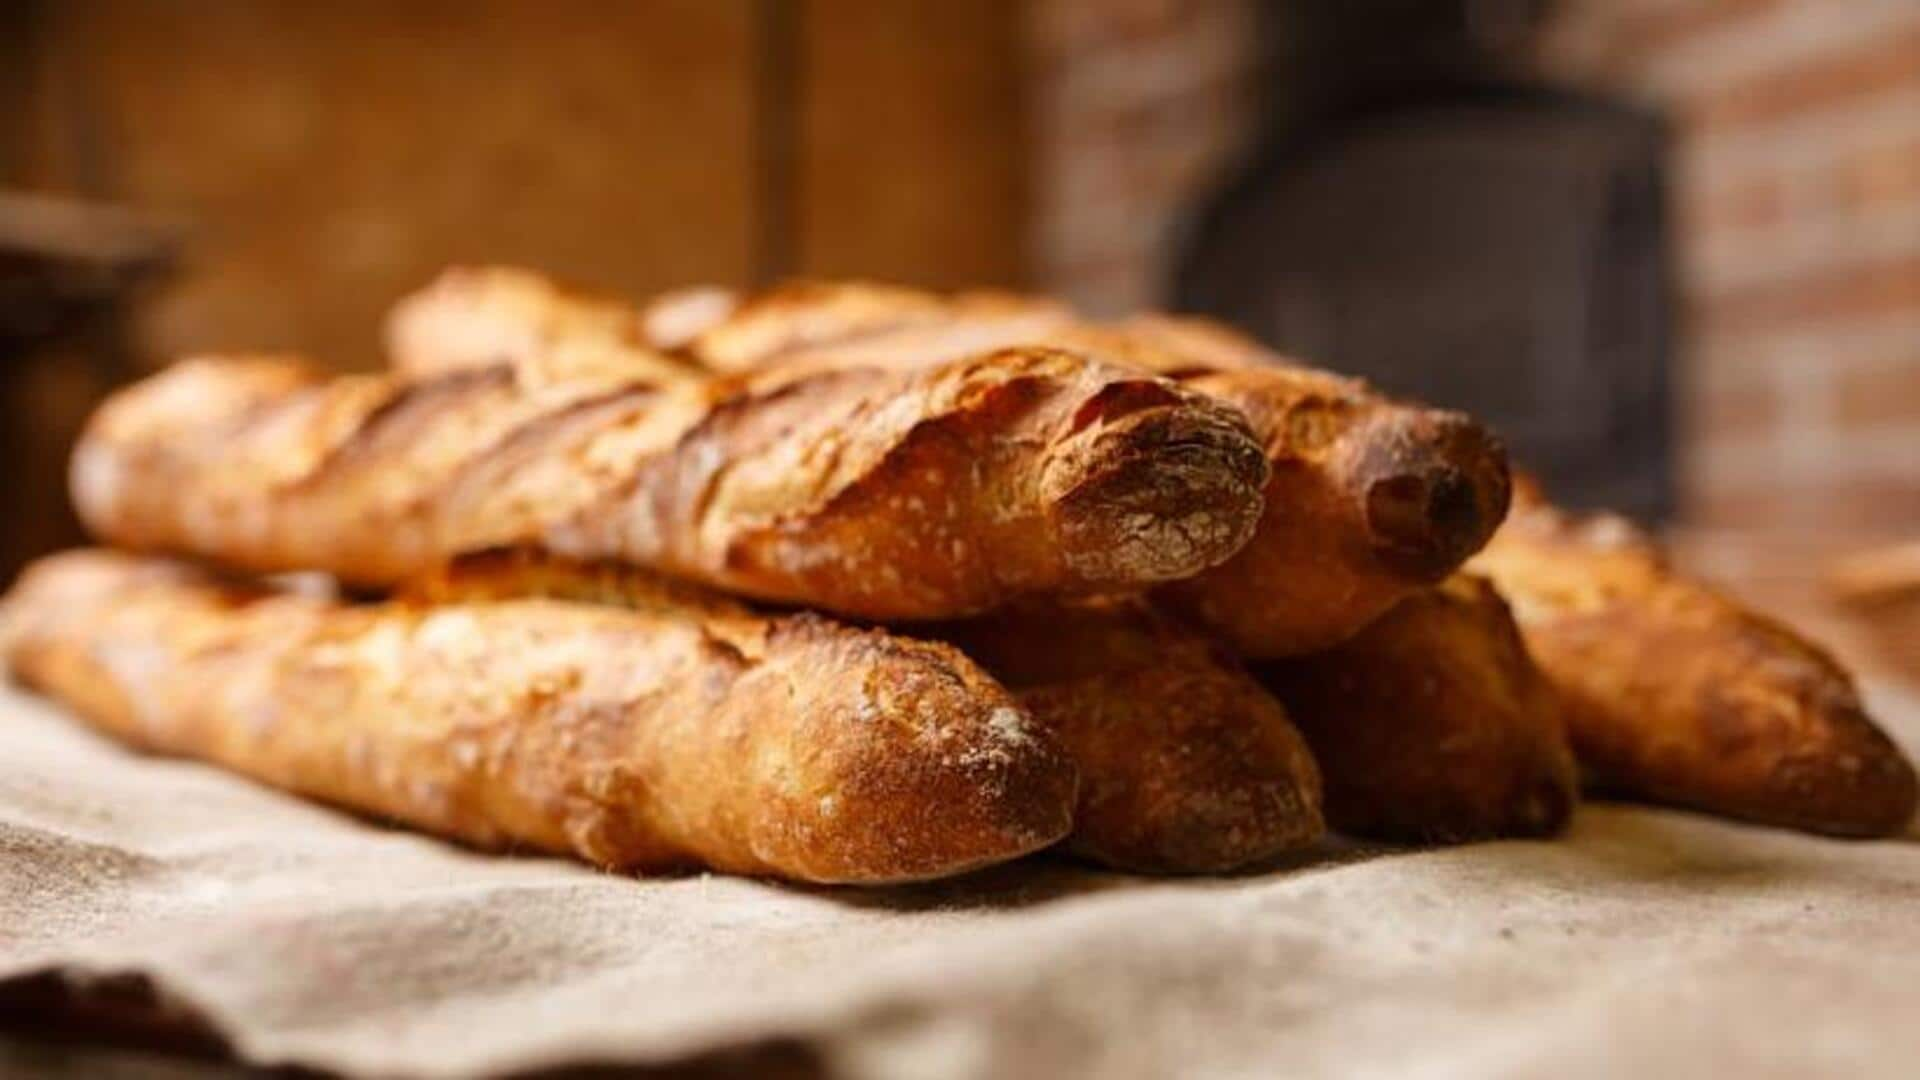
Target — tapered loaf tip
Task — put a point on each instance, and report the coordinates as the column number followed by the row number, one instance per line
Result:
column 1435, row 487
column 926, row 767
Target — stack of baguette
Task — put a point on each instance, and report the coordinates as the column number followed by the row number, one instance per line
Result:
column 848, row 583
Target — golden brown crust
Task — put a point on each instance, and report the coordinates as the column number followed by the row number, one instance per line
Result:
column 1677, row 695
column 1369, row 498
column 804, row 322
column 679, row 734
column 483, row 316
column 1186, row 764
column 671, row 321
column 1433, row 724
column 929, row 493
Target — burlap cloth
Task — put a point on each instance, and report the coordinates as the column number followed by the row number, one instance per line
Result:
column 1645, row 943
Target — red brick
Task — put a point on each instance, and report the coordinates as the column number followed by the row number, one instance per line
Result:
column 1883, row 65
column 1858, row 292
column 1657, row 29
column 1883, row 394
column 1062, row 28
column 1880, row 176
column 1758, row 202
column 1703, row 501
column 1862, row 504
column 1731, row 413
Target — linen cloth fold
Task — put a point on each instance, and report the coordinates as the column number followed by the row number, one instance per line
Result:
column 1645, row 942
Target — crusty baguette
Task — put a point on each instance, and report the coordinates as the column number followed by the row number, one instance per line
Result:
column 1368, row 500
column 674, row 735
column 830, row 323
column 670, row 321
column 1433, row 723
column 1186, row 764
column 1676, row 694
column 478, row 317
column 930, row 493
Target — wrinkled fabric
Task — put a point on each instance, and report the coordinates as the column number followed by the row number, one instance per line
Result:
column 1645, row 942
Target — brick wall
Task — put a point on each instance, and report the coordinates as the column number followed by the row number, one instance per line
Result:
column 1798, row 203
column 1136, row 105
column 1797, row 192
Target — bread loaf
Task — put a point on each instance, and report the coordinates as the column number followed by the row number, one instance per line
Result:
column 940, row 491
column 1433, row 723
column 1369, row 498
column 1186, row 764
column 676, row 734
column 1676, row 694
column 478, row 317
column 828, row 323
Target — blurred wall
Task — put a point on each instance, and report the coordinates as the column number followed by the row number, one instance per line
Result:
column 911, row 141
column 325, row 157
column 1137, row 105
column 319, row 159
column 1797, row 197
column 1798, row 201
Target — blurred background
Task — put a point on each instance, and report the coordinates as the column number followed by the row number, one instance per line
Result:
column 1671, row 248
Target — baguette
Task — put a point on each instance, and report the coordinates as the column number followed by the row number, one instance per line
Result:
column 1368, row 500
column 671, row 321
column 675, row 735
column 1186, row 764
column 478, row 317
column 932, row 493
column 1433, row 724
column 1677, row 695
column 812, row 324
